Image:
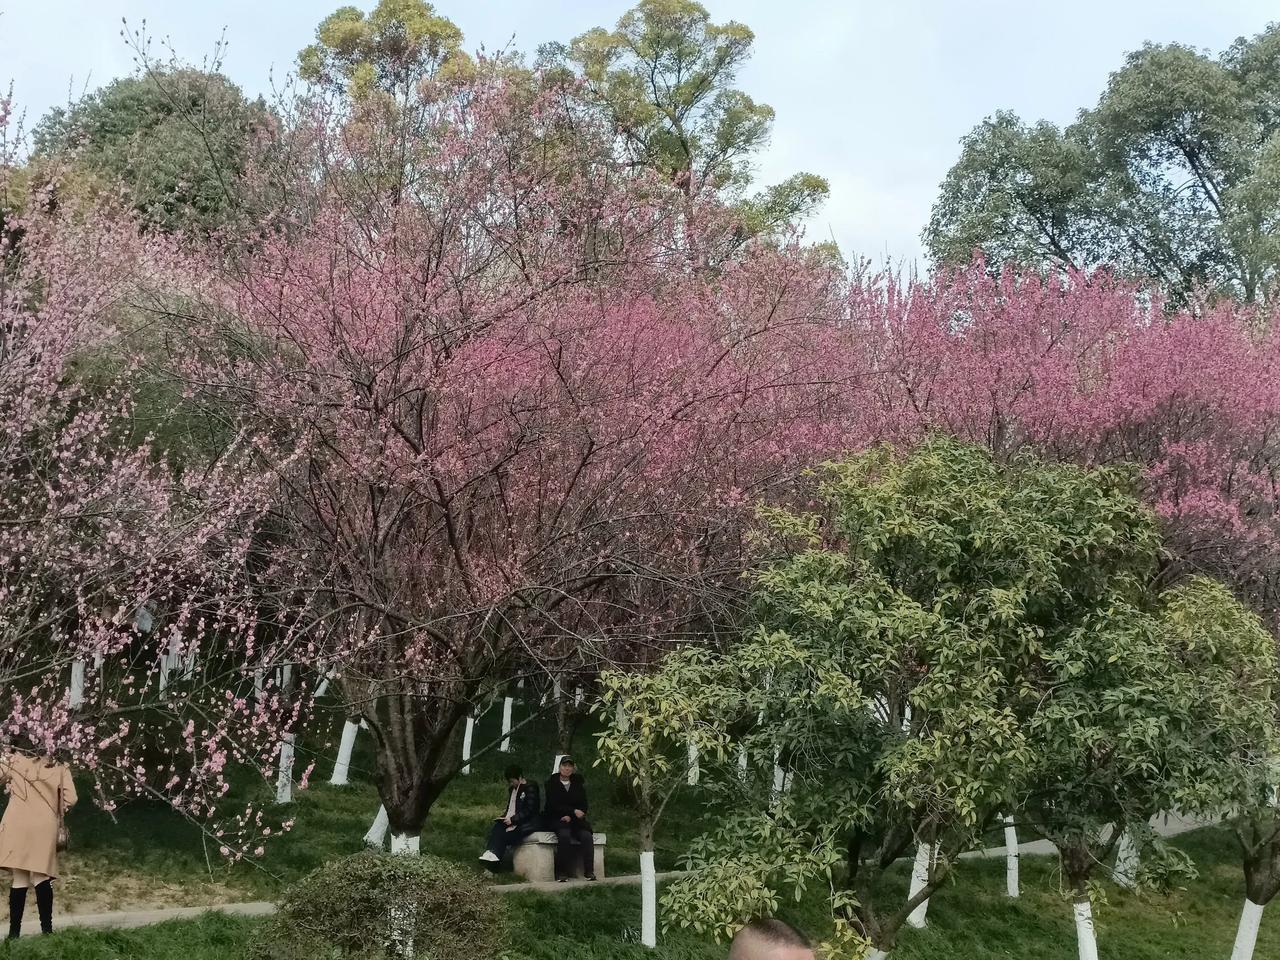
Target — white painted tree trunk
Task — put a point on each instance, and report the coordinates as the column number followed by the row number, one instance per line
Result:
column 284, row 778
column 520, row 684
column 377, row 835
column 1126, row 869
column 695, row 768
column 555, row 690
column 577, row 697
column 403, row 917
column 779, row 777
column 1247, row 932
column 621, row 720
column 259, row 681
column 555, row 766
column 189, row 670
column 405, row 844
column 742, row 761
column 1011, row 883
column 877, row 954
column 467, row 734
column 75, row 695
column 342, row 768
column 648, row 900
column 323, row 688
column 505, row 746
column 925, row 854
column 1086, row 936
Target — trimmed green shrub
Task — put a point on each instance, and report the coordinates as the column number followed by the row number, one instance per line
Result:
column 354, row 909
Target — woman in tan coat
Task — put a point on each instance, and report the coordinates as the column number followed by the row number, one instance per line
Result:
column 40, row 791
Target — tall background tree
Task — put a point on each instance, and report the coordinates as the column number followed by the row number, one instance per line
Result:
column 664, row 76
column 1173, row 175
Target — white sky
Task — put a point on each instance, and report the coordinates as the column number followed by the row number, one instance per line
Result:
column 872, row 94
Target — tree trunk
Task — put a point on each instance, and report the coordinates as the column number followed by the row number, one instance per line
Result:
column 342, row 767
column 1247, row 931
column 926, row 853
column 695, row 770
column 648, row 900
column 1011, row 881
column 75, row 695
column 467, row 735
column 377, row 835
column 1125, row 872
column 284, row 777
column 1086, row 937
column 505, row 746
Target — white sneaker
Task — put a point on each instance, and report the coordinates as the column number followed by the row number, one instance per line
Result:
column 489, row 857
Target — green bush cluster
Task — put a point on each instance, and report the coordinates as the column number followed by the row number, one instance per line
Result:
column 353, row 908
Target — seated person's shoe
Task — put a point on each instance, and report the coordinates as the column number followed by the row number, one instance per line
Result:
column 590, row 876
column 489, row 857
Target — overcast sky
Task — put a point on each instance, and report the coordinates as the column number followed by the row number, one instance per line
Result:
column 874, row 96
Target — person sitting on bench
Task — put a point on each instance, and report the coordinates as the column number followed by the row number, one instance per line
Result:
column 566, row 814
column 520, row 820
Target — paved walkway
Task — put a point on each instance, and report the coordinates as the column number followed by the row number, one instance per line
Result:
column 1168, row 825
column 125, row 919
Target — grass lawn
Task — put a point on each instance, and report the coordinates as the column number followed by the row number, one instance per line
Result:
column 148, row 856
column 969, row 920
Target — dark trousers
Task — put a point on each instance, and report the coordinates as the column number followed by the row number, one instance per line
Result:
column 567, row 834
column 501, row 839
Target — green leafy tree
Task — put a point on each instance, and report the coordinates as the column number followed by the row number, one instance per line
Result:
column 1173, row 175
column 664, row 77
column 938, row 626
column 653, row 723
column 388, row 51
column 177, row 139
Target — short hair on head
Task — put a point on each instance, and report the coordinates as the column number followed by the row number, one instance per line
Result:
column 513, row 772
column 766, row 932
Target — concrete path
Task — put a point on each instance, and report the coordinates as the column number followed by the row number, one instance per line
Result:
column 127, row 919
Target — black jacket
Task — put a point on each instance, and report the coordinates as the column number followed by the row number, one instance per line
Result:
column 526, row 816
column 562, row 802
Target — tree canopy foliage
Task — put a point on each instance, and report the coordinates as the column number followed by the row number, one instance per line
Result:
column 1174, row 175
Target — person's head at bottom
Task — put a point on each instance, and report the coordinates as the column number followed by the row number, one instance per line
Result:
column 769, row 940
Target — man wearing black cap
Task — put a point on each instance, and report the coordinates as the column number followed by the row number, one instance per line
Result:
column 566, row 814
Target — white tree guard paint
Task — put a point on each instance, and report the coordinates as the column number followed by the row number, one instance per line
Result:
column 189, row 670
column 284, row 779
column 648, row 900
column 742, row 760
column 377, row 835
column 555, row 766
column 405, row 844
column 695, row 767
column 520, row 684
column 142, row 619
column 505, row 746
column 925, row 854
column 323, row 688
column 876, row 953
column 75, row 695
column 555, row 690
column 1011, row 884
column 259, row 681
column 98, row 660
column 906, row 718
column 577, row 697
column 621, row 720
column 285, row 676
column 342, row 768
column 1125, row 872
column 779, row 777
column 1086, row 936
column 1247, row 932
column 467, row 734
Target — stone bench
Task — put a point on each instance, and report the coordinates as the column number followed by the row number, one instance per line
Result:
column 535, row 859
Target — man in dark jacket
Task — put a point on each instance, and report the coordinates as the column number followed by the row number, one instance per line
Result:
column 566, row 814
column 520, row 819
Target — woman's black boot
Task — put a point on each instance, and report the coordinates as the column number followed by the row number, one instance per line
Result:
column 17, row 903
column 44, row 903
